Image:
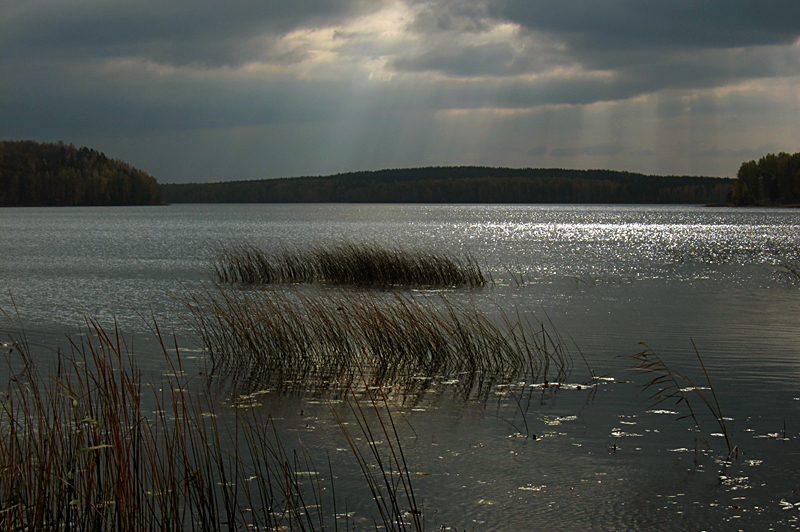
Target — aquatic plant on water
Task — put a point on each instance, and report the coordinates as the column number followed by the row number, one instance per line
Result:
column 668, row 385
column 346, row 263
column 387, row 474
column 321, row 340
column 92, row 446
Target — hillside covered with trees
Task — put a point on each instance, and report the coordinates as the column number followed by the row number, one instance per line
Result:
column 773, row 180
column 34, row 174
column 460, row 185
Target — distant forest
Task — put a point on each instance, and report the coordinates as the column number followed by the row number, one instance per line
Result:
column 773, row 180
column 34, row 174
column 460, row 185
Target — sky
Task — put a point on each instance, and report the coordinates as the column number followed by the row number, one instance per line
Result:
column 213, row 90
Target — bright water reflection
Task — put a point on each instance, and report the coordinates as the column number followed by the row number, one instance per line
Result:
column 607, row 277
column 63, row 263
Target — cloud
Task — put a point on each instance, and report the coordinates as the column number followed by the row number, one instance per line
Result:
column 448, row 16
column 512, row 54
column 639, row 47
column 597, row 150
column 602, row 150
column 348, row 84
column 489, row 59
column 654, row 24
column 178, row 32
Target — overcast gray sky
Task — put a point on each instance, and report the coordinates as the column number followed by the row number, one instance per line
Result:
column 213, row 90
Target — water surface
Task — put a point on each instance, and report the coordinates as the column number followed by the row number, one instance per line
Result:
column 606, row 277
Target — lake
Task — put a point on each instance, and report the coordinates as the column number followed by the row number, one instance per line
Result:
column 604, row 277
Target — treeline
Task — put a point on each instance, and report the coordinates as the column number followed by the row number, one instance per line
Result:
column 460, row 185
column 34, row 174
column 773, row 180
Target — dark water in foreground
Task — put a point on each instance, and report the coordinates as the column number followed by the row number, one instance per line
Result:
column 606, row 277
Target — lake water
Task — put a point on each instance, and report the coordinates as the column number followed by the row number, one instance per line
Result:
column 606, row 277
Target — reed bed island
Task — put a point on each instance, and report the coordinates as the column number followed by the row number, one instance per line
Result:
column 347, row 263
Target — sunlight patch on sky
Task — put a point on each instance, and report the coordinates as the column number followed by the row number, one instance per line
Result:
column 340, row 48
column 388, row 23
column 575, row 73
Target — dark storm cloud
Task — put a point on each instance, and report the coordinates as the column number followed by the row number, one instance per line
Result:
column 415, row 76
column 209, row 32
column 592, row 26
column 465, row 16
column 640, row 75
column 644, row 46
column 57, row 101
column 633, row 47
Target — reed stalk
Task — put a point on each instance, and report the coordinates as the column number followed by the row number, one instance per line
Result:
column 386, row 473
column 667, row 384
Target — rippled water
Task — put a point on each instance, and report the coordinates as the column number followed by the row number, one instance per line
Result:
column 607, row 277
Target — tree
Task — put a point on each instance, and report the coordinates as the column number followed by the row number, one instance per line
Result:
column 36, row 174
column 773, row 180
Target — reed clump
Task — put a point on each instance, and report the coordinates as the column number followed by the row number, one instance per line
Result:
column 347, row 263
column 318, row 341
column 90, row 446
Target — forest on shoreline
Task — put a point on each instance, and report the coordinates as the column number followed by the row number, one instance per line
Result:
column 772, row 180
column 58, row 174
column 465, row 184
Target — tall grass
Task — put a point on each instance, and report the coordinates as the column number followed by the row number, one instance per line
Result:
column 346, row 263
column 263, row 338
column 91, row 446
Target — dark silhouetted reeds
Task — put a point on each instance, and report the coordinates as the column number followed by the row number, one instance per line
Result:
column 294, row 339
column 90, row 446
column 385, row 472
column 346, row 263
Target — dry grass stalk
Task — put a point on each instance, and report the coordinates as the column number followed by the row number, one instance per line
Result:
column 386, row 474
column 346, row 263
column 670, row 385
